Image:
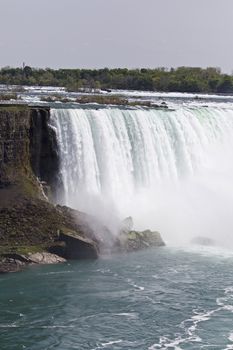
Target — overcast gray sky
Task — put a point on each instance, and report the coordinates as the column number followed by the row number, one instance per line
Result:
column 116, row 33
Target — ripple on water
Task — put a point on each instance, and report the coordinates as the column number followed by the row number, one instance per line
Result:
column 190, row 326
column 230, row 346
column 175, row 300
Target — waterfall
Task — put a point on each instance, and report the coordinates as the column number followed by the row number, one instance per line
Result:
column 170, row 169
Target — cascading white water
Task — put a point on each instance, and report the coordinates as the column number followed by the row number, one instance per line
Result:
column 170, row 170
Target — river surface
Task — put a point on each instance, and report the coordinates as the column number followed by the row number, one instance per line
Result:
column 171, row 170
column 165, row 298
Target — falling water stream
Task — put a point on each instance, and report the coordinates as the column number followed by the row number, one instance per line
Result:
column 171, row 170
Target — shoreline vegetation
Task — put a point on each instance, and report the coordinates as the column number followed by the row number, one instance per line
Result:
column 182, row 79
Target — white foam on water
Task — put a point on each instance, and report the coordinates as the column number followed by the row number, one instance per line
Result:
column 230, row 346
column 55, row 273
column 226, row 302
column 137, row 287
column 164, row 95
column 190, row 325
column 106, row 344
column 129, row 315
column 189, row 335
column 54, row 327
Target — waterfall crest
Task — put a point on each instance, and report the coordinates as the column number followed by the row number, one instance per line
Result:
column 171, row 170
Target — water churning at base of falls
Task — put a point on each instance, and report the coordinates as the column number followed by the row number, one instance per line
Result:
column 171, row 170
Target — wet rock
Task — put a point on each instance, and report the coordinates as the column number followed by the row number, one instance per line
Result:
column 127, row 225
column 164, row 105
column 88, row 226
column 78, row 247
column 19, row 258
column 44, row 158
column 106, row 90
column 14, row 262
column 10, row 265
column 136, row 240
column 45, row 258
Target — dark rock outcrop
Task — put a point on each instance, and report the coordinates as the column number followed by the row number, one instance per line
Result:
column 14, row 143
column 44, row 157
column 78, row 247
column 10, row 265
column 28, row 148
column 16, row 262
column 90, row 227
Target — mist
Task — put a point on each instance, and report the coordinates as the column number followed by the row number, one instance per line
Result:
column 171, row 171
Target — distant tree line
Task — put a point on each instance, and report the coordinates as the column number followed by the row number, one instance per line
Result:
column 182, row 79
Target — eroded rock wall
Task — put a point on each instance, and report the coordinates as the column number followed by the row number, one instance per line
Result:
column 28, row 146
column 44, row 157
column 14, row 143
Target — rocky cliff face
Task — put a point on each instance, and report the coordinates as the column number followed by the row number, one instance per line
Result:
column 27, row 152
column 44, row 158
column 14, row 143
column 28, row 147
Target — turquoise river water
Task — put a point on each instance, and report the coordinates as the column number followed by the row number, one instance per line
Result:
column 165, row 298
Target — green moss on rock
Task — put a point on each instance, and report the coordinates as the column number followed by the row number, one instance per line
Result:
column 137, row 240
